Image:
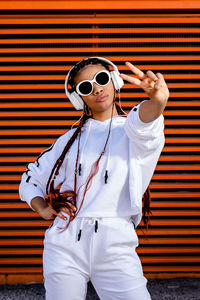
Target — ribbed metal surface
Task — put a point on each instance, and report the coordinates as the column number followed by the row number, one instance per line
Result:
column 36, row 51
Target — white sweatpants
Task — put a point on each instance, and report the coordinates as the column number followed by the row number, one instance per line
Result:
column 105, row 255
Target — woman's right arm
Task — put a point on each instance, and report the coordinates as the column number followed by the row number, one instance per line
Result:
column 32, row 188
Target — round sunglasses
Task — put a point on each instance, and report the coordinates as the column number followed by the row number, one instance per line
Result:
column 85, row 87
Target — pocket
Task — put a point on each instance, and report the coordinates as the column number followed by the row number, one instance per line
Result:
column 53, row 225
column 133, row 234
column 50, row 225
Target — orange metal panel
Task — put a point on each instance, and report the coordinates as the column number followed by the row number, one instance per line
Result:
column 123, row 59
column 168, row 240
column 101, row 20
column 170, row 158
column 62, row 77
column 21, row 242
column 23, row 251
column 53, row 86
column 30, row 74
column 99, row 4
column 168, row 268
column 190, row 95
column 17, row 205
column 66, row 69
column 166, row 249
column 20, row 261
column 20, row 270
column 66, row 104
column 175, row 204
column 107, row 50
column 99, row 40
column 98, row 30
column 22, row 233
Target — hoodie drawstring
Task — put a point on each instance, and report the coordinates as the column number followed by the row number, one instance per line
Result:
column 108, row 156
column 81, row 228
column 82, row 152
column 92, row 222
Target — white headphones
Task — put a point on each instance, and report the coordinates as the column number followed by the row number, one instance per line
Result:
column 77, row 101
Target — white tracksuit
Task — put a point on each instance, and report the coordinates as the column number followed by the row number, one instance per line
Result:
column 105, row 253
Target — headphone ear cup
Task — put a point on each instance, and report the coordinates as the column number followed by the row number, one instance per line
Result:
column 117, row 80
column 76, row 100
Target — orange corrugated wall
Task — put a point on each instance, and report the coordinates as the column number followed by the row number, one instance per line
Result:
column 37, row 48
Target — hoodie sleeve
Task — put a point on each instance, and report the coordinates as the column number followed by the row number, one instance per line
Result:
column 146, row 137
column 146, row 143
column 34, row 180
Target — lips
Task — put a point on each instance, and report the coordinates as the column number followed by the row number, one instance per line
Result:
column 101, row 98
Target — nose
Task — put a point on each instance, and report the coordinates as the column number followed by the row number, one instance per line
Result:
column 97, row 89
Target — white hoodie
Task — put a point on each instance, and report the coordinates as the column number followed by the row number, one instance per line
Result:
column 130, row 159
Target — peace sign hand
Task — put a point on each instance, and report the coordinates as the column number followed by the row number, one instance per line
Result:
column 153, row 84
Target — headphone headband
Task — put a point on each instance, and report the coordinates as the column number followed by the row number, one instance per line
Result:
column 75, row 99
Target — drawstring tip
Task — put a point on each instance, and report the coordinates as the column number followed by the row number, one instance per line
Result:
column 106, row 176
column 79, row 235
column 96, row 226
column 79, row 169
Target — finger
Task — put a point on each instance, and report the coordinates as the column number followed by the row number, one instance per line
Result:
column 161, row 77
column 130, row 79
column 151, row 75
column 67, row 211
column 135, row 70
column 61, row 216
column 71, row 206
column 160, row 82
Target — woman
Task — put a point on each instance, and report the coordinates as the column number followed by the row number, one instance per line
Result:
column 103, row 168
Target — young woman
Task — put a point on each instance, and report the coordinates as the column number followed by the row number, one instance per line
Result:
column 102, row 169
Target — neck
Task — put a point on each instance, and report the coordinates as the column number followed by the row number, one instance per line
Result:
column 105, row 115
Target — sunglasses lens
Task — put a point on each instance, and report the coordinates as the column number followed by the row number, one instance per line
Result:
column 102, row 78
column 85, row 88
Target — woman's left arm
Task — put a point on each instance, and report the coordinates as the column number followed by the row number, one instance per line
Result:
column 155, row 87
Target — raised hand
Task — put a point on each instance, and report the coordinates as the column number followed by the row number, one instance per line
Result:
column 153, row 84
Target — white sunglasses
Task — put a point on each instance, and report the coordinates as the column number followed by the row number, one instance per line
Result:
column 85, row 87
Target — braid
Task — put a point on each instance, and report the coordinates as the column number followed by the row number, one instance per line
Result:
column 60, row 160
column 146, row 199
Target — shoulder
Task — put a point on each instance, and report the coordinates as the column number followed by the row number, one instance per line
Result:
column 61, row 141
column 66, row 136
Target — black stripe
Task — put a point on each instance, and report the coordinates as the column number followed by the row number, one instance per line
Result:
column 27, row 180
column 41, row 154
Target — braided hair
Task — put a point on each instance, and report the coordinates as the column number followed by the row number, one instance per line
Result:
column 74, row 71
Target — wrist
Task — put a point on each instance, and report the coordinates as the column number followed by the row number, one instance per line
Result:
column 38, row 204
